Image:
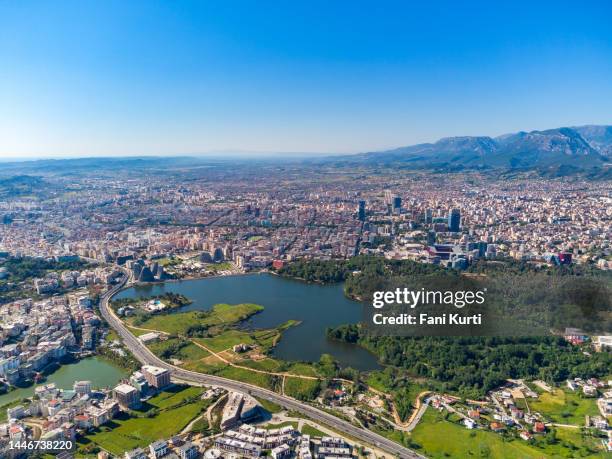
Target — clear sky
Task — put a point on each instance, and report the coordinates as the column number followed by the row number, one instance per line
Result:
column 117, row 77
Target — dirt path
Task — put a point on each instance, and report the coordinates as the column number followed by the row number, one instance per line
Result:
column 36, row 425
column 256, row 370
column 406, row 426
column 189, row 426
column 399, row 424
column 416, row 413
column 212, row 407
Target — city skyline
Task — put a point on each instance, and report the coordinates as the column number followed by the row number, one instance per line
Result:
column 155, row 79
column 305, row 230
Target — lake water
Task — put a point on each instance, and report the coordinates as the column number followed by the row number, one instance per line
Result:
column 100, row 372
column 316, row 306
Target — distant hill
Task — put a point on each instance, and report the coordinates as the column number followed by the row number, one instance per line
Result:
column 583, row 147
column 71, row 165
column 21, row 185
column 599, row 137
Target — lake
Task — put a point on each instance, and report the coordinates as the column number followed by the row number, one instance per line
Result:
column 316, row 306
column 100, row 372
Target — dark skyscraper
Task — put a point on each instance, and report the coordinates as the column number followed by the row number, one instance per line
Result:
column 454, row 220
column 397, row 205
column 362, row 210
column 431, row 238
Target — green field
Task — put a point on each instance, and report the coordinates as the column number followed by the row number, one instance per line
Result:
column 238, row 374
column 177, row 348
column 169, row 399
column 217, row 267
column 300, row 368
column 269, row 406
column 270, row 365
column 138, row 332
column 3, row 408
column 219, row 319
column 439, row 438
column 111, row 336
column 161, row 417
column 201, row 367
column 226, row 339
column 380, row 380
column 313, row 432
column 564, row 407
column 167, row 262
column 200, row 425
column 264, row 338
column 221, row 314
column 281, row 366
column 251, row 377
column 302, row 389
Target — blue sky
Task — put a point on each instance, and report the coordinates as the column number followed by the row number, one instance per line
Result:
column 123, row 77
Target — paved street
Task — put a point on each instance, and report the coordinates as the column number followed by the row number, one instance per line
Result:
column 144, row 355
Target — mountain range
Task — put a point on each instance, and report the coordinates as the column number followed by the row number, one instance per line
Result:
column 583, row 147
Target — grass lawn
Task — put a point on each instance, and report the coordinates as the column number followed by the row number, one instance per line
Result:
column 251, row 377
column 138, row 332
column 226, row 339
column 200, row 425
column 379, row 381
column 302, row 389
column 313, row 432
column 221, row 314
column 229, row 314
column 238, row 374
column 269, row 406
column 124, row 432
column 188, row 351
column 271, row 365
column 265, row 338
column 439, row 438
column 382, row 381
column 3, row 408
column 582, row 443
column 304, row 369
column 564, row 407
column 175, row 396
column 520, row 403
column 202, row 367
column 112, row 336
column 169, row 261
column 216, row 267
column 192, row 352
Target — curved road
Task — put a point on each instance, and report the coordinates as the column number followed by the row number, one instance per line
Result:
column 144, row 355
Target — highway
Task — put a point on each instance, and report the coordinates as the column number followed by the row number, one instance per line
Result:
column 145, row 356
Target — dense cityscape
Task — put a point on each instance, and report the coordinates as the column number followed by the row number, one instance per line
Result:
column 290, row 213
column 69, row 243
column 305, row 230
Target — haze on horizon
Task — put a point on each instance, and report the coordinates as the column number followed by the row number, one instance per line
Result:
column 87, row 78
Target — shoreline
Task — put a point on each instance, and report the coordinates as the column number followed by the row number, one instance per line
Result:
column 245, row 323
column 32, row 385
column 190, row 278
